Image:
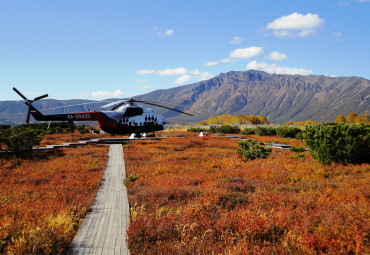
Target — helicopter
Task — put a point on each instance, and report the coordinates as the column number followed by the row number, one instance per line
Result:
column 123, row 117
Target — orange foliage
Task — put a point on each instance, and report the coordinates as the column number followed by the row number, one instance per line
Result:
column 70, row 137
column 43, row 200
column 196, row 196
column 228, row 119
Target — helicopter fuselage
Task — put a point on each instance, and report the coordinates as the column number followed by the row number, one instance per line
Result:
column 127, row 119
column 133, row 119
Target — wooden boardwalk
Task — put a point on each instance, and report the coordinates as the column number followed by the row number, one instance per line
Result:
column 103, row 231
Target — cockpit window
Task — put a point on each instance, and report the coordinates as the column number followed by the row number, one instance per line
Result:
column 133, row 111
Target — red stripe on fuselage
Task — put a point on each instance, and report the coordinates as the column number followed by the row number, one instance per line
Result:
column 103, row 119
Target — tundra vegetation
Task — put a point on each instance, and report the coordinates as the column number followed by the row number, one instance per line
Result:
column 19, row 140
column 44, row 196
column 228, row 119
column 197, row 195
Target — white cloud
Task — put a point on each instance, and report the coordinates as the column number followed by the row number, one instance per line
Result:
column 211, row 63
column 343, row 3
column 116, row 93
column 31, row 94
column 144, row 72
column 282, row 33
column 185, row 75
column 246, row 52
column 183, row 79
column 195, row 72
column 307, row 32
column 142, row 80
column 296, row 24
column 273, row 68
column 337, row 34
column 205, row 76
column 226, row 60
column 236, row 40
column 176, row 71
column 83, row 95
column 168, row 32
column 275, row 55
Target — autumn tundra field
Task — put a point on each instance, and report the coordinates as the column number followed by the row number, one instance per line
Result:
column 196, row 195
column 192, row 195
column 44, row 198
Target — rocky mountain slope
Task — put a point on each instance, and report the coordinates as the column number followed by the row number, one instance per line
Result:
column 280, row 98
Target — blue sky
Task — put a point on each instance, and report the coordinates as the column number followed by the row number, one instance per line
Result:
column 102, row 49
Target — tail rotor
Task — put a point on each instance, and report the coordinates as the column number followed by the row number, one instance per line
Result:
column 29, row 102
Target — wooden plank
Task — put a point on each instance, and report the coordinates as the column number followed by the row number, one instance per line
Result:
column 103, row 231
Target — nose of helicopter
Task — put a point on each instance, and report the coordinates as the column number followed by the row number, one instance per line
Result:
column 164, row 122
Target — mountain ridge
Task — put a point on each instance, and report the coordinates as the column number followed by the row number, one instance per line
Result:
column 279, row 97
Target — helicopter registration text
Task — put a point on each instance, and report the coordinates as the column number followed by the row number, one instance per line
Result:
column 78, row 116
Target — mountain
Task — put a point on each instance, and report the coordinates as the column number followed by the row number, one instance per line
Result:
column 279, row 97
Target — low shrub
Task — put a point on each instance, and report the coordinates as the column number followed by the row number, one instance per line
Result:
column 297, row 149
column 20, row 140
column 4, row 127
column 131, row 178
column 251, row 149
column 299, row 155
column 197, row 129
column 248, row 131
column 82, row 129
column 265, row 131
column 225, row 129
column 288, row 132
column 339, row 143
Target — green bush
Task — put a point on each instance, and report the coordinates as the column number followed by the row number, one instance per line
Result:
column 248, row 131
column 225, row 129
column 20, row 140
column 299, row 155
column 251, row 149
column 4, row 127
column 131, row 178
column 52, row 128
column 300, row 135
column 339, row 143
column 297, row 149
column 288, row 132
column 265, row 131
column 197, row 129
column 82, row 129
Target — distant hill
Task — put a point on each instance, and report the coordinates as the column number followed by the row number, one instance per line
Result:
column 279, row 97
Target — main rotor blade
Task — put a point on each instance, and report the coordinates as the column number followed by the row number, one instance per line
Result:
column 40, row 97
column 114, row 103
column 168, row 103
column 20, row 94
column 66, row 106
column 172, row 109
